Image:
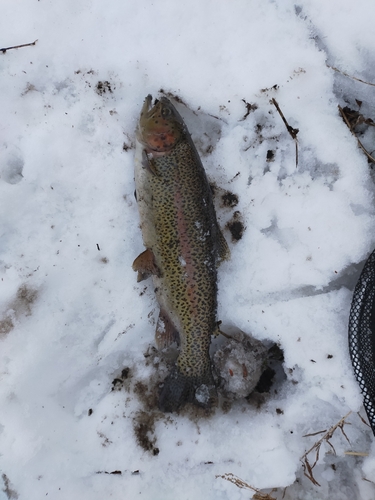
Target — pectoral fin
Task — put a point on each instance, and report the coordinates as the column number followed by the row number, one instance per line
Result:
column 145, row 265
column 148, row 163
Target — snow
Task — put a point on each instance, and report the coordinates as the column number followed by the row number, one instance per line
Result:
column 72, row 316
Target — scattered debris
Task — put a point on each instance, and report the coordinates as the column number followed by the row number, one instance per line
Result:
column 229, row 200
column 274, row 87
column 126, row 147
column 249, row 109
column 118, row 382
column 103, row 87
column 115, row 472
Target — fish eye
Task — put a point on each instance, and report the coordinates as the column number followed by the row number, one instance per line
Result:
column 166, row 112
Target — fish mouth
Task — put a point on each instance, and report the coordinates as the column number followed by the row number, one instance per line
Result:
column 146, row 108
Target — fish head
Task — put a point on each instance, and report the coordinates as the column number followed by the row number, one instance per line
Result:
column 160, row 126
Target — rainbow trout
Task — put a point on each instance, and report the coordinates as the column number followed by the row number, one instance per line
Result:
column 184, row 245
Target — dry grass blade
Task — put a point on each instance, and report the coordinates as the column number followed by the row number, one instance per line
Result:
column 240, row 483
column 350, row 76
column 4, row 49
column 308, row 469
column 342, row 112
column 292, row 131
column 356, row 453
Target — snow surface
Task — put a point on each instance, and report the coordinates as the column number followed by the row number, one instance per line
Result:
column 75, row 326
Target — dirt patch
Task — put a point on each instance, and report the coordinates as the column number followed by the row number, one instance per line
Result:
column 6, row 325
column 25, row 298
column 8, row 488
column 144, row 430
column 229, row 200
column 103, row 87
column 236, row 226
column 20, row 306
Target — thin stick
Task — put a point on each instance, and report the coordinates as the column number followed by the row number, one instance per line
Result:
column 349, row 76
column 351, row 130
column 4, row 49
column 292, row 131
column 356, row 453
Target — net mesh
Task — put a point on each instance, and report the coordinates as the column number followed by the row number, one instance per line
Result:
column 362, row 336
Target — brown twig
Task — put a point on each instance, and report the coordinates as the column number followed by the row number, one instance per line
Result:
column 349, row 76
column 292, row 131
column 314, row 433
column 4, row 49
column 240, row 483
column 342, row 112
column 307, row 468
column 363, row 420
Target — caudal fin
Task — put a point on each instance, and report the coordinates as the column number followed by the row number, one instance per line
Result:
column 179, row 389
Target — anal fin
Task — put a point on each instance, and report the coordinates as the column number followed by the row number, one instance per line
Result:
column 166, row 334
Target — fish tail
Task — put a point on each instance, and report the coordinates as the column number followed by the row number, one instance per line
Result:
column 179, row 389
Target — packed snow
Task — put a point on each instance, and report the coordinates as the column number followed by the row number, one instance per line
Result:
column 79, row 371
